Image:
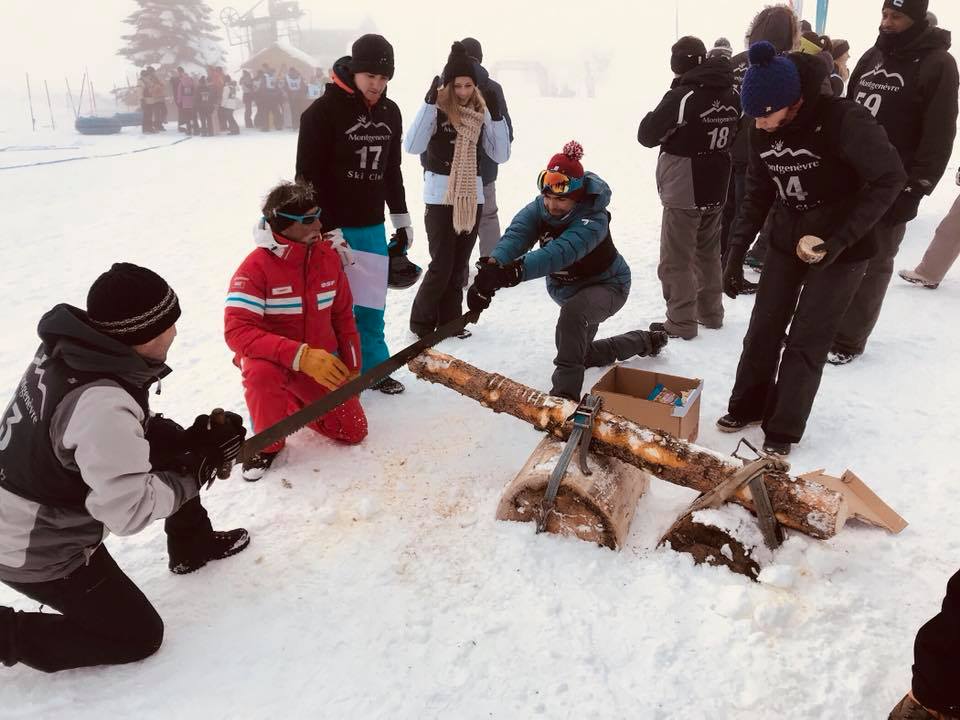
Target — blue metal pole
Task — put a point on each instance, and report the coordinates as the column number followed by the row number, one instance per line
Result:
column 822, row 15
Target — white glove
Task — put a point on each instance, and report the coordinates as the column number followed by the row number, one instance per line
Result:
column 339, row 243
column 401, row 221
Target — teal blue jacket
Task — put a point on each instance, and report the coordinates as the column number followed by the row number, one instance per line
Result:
column 581, row 230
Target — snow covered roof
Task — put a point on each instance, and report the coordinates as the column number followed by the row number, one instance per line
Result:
column 280, row 53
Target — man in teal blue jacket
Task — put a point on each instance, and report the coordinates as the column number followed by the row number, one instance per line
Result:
column 586, row 276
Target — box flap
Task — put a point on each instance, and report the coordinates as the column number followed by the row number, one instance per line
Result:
column 682, row 410
column 864, row 504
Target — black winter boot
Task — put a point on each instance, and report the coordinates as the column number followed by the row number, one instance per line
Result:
column 8, row 645
column 776, row 447
column 388, row 386
column 185, row 559
column 728, row 423
column 402, row 273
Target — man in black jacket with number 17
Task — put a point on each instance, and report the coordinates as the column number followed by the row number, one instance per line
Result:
column 694, row 125
column 829, row 174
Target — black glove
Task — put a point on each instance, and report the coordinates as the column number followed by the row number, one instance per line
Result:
column 733, row 270
column 491, row 276
column 400, row 241
column 906, row 206
column 493, row 105
column 477, row 302
column 431, row 97
column 658, row 341
column 833, row 250
column 168, row 444
column 214, row 444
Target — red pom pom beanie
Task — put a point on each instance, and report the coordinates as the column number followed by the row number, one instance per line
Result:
column 567, row 162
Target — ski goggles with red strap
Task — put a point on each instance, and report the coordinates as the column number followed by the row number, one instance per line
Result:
column 558, row 183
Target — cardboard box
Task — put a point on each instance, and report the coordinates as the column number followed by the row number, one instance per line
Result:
column 624, row 391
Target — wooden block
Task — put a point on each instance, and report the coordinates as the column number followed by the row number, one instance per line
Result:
column 597, row 508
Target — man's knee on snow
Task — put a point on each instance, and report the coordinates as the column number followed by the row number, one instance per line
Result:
column 141, row 640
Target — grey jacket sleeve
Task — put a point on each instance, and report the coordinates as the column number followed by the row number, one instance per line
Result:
column 101, row 435
column 496, row 139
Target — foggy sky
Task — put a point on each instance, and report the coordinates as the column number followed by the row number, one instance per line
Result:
column 57, row 38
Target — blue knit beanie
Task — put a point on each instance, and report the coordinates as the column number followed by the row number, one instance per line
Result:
column 772, row 81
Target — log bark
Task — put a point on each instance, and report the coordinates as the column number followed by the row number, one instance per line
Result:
column 799, row 503
column 597, row 508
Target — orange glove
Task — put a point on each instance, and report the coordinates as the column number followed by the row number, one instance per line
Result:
column 325, row 368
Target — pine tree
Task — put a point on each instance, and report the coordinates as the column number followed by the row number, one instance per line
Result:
column 171, row 33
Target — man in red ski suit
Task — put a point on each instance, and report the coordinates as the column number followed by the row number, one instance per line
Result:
column 289, row 319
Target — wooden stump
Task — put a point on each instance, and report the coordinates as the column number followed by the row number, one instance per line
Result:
column 597, row 508
column 711, row 545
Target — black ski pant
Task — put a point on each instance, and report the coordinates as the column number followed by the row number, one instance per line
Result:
column 862, row 315
column 206, row 126
column 738, row 178
column 189, row 119
column 104, row 618
column 936, row 656
column 227, row 121
column 247, row 111
column 440, row 297
column 577, row 326
column 779, row 390
column 760, row 246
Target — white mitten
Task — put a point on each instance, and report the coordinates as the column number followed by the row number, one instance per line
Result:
column 401, row 221
column 339, row 243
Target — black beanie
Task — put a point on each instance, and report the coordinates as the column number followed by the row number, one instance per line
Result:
column 372, row 54
column 686, row 54
column 472, row 46
column 459, row 64
column 915, row 9
column 132, row 304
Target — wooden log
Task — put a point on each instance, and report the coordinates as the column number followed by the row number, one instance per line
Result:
column 597, row 508
column 799, row 503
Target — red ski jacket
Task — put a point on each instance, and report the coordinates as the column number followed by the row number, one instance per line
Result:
column 286, row 295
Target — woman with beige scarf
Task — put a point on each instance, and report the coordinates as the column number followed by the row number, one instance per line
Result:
column 454, row 122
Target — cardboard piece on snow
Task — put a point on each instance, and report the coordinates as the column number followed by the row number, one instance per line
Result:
column 865, row 505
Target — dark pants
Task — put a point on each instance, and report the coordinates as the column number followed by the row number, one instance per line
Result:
column 936, row 656
column 440, row 297
column 267, row 110
column 188, row 117
column 780, row 390
column 104, row 619
column 577, row 326
column 206, row 127
column 227, row 121
column 738, row 177
column 247, row 111
column 148, row 123
column 760, row 246
column 862, row 315
column 296, row 110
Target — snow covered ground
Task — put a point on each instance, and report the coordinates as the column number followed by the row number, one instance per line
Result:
column 378, row 583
